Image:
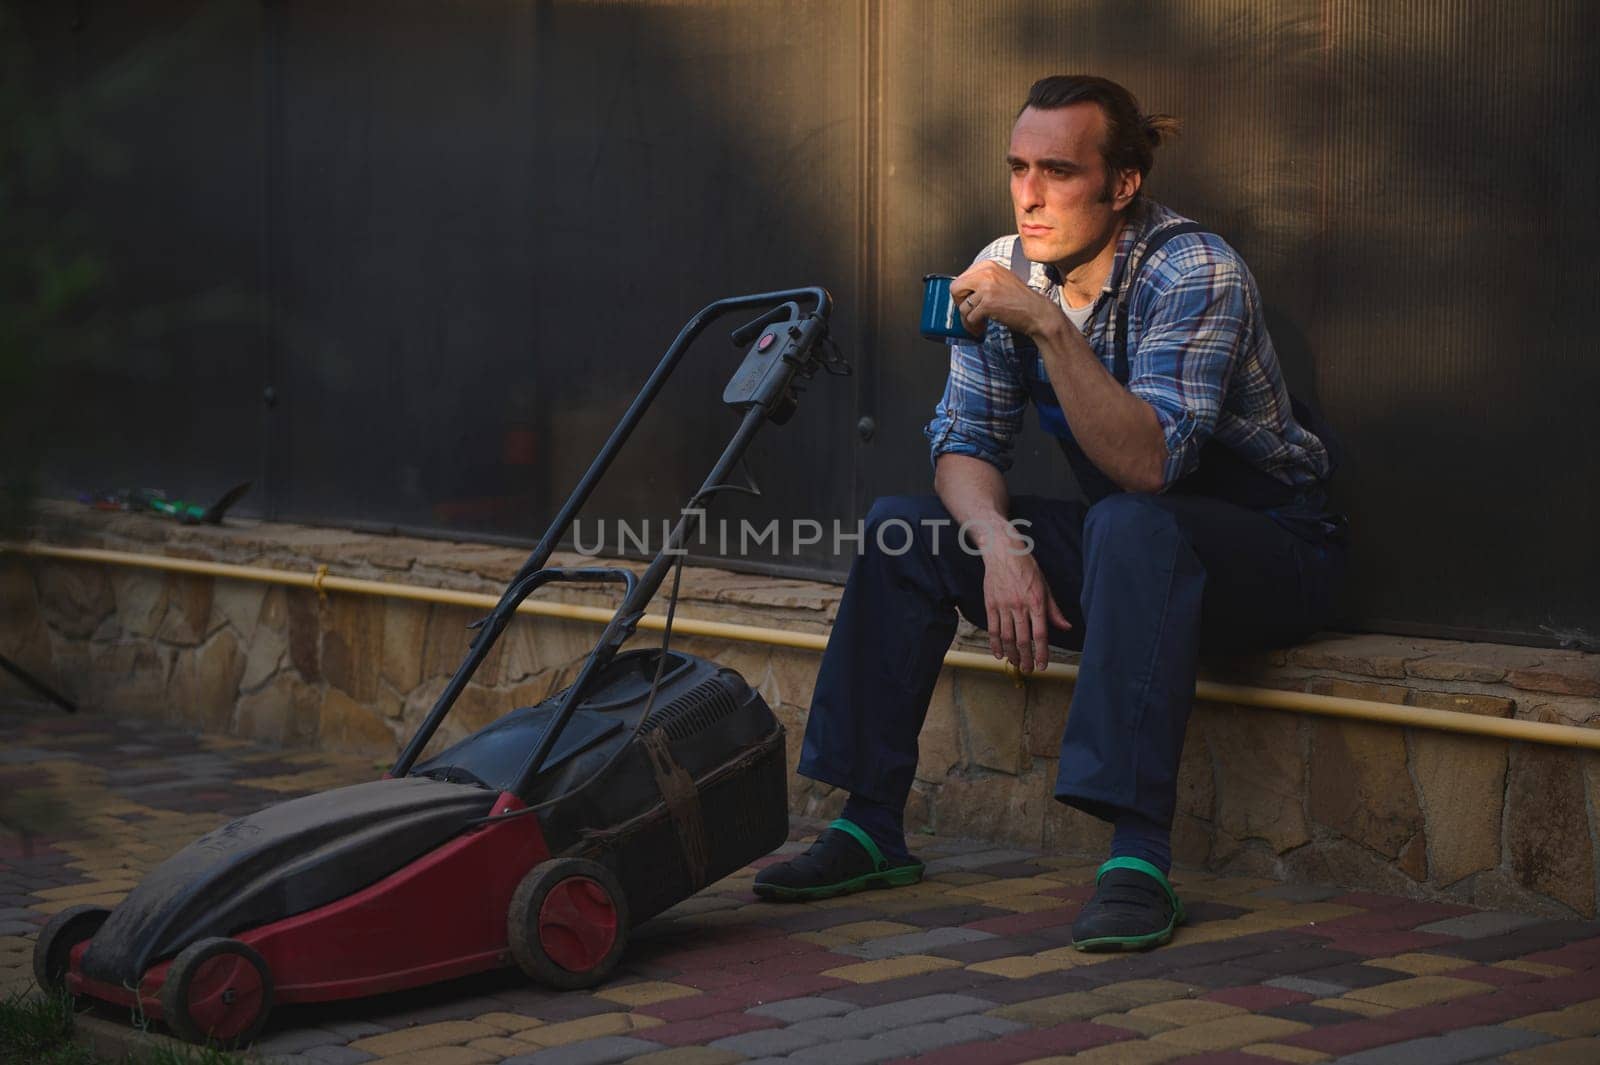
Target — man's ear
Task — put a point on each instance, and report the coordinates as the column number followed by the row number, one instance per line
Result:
column 1128, row 184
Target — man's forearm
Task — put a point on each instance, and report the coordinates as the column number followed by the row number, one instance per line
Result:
column 974, row 493
column 1117, row 430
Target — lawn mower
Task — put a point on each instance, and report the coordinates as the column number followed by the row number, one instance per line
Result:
column 539, row 840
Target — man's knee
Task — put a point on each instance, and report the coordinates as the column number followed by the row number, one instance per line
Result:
column 896, row 525
column 1130, row 522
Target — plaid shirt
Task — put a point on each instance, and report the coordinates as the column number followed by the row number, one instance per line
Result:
column 1198, row 353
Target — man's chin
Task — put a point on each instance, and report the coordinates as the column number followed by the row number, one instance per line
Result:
column 1040, row 249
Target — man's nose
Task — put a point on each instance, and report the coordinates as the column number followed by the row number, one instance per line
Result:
column 1029, row 190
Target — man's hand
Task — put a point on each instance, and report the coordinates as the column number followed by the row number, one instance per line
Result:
column 1019, row 604
column 989, row 291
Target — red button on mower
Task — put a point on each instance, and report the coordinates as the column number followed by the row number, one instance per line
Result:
column 540, row 839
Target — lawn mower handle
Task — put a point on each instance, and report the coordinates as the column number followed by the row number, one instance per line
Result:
column 638, row 594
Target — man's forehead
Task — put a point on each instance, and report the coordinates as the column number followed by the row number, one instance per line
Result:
column 1067, row 132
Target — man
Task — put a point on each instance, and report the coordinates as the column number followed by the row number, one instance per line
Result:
column 1142, row 348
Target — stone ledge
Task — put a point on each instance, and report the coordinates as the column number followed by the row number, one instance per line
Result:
column 1526, row 683
column 1409, row 811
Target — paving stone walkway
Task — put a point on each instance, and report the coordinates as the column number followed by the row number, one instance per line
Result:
column 971, row 967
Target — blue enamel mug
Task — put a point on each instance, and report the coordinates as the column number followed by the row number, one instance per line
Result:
column 940, row 320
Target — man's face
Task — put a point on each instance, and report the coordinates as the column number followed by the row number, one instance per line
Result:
column 1059, row 185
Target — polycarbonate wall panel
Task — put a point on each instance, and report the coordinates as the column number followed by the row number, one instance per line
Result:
column 1413, row 186
column 150, row 118
column 494, row 219
column 461, row 234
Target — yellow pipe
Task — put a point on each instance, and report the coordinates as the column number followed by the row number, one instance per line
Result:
column 1207, row 691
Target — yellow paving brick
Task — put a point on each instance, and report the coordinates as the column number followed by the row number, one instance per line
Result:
column 500, row 1046
column 77, row 891
column 1183, row 1012
column 1028, row 903
column 1419, row 991
column 1019, row 968
column 16, row 943
column 1420, row 964
column 646, row 993
column 601, row 1024
column 1144, row 992
column 1056, row 1009
column 1534, row 967
column 508, row 1022
column 687, row 1056
column 871, row 972
column 856, row 932
column 1231, row 1032
column 1568, row 1052
column 425, row 1037
column 1143, row 1025
column 1128, row 1052
column 1279, row 1052
column 1582, row 1018
column 1075, row 957
column 445, row 1056
column 1351, row 1005
column 1026, row 885
column 1313, row 912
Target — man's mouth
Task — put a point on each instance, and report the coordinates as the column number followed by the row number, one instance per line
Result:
column 1033, row 230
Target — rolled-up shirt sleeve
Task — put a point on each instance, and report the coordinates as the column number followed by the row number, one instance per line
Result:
column 1185, row 354
column 980, row 412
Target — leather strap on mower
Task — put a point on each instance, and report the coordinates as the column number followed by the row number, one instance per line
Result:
column 683, row 805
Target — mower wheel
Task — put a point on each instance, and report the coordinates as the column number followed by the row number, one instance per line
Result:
column 218, row 991
column 52, row 951
column 568, row 923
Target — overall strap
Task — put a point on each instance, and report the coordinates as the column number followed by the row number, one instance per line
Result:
column 1019, row 262
column 1124, row 292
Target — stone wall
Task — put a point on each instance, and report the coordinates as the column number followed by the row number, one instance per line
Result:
column 1262, row 792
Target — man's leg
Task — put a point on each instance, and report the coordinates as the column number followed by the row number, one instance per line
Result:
column 895, row 623
column 1165, row 577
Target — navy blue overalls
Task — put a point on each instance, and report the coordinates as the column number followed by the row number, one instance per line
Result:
column 1227, row 559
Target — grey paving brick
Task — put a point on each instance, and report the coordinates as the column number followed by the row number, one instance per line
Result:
column 602, row 1051
column 849, row 1052
column 16, row 913
column 18, row 928
column 1480, row 925
column 1310, row 987
column 973, row 859
column 875, row 1019
column 914, row 942
column 925, row 1038
column 769, row 1042
column 340, row 1056
column 809, row 1008
column 1453, row 1048
column 296, row 1040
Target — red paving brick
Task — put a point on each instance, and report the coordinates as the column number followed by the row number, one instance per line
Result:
column 705, row 1029
column 1342, row 1039
column 1257, row 997
column 736, row 966
column 692, row 1008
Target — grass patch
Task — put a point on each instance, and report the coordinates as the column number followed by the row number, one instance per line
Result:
column 37, row 1030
